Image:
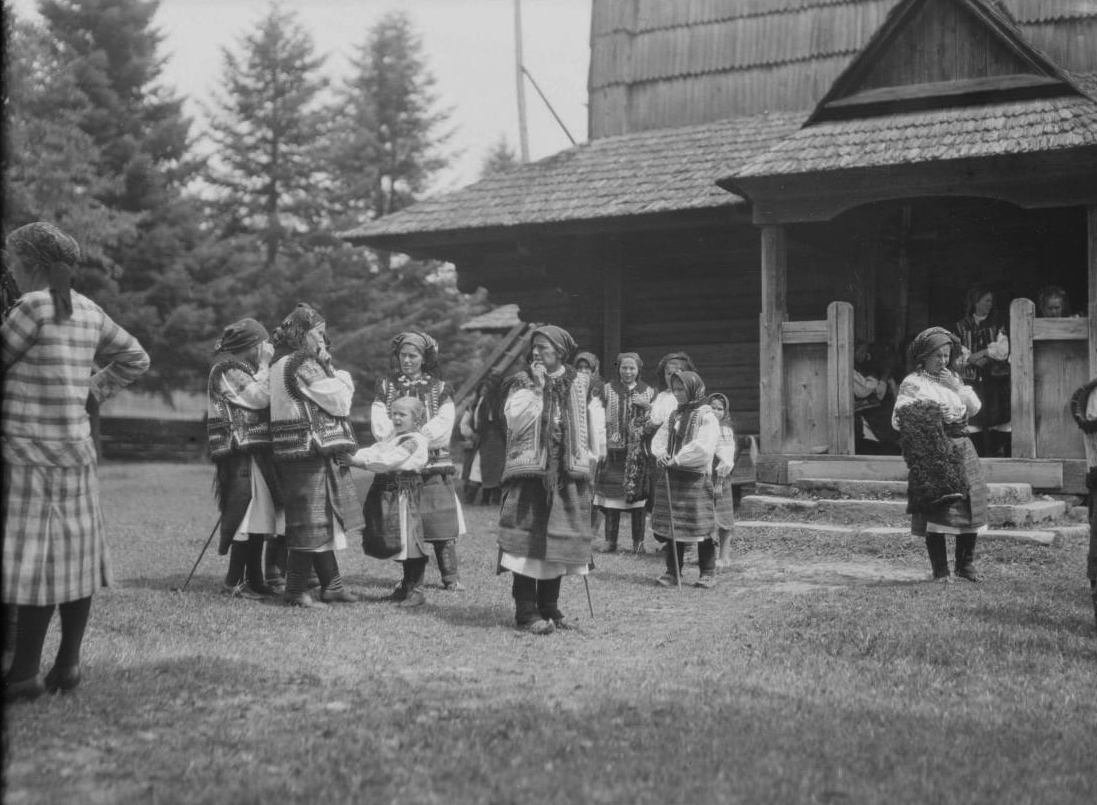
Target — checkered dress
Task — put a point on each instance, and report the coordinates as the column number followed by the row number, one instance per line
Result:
column 53, row 547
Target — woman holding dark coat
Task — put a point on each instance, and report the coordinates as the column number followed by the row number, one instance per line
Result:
column 54, row 551
column 947, row 493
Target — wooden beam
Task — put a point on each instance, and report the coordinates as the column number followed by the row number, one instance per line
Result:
column 1060, row 329
column 1091, row 259
column 804, row 332
column 840, row 377
column 611, row 312
column 771, row 382
column 1022, row 314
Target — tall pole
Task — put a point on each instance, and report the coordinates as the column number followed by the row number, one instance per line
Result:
column 519, row 68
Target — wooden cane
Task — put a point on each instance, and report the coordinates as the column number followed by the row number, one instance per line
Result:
column 199, row 559
column 673, row 541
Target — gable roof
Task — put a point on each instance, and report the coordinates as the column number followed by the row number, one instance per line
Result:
column 647, row 173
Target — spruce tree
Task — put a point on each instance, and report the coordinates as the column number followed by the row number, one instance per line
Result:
column 267, row 128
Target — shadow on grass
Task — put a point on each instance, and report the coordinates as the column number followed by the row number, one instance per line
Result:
column 1078, row 622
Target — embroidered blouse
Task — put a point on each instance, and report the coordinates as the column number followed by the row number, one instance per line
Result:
column 699, row 445
column 956, row 405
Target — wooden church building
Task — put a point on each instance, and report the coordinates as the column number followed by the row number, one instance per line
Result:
column 768, row 181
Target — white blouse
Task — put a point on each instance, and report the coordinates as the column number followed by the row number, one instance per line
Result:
column 697, row 453
column 956, row 406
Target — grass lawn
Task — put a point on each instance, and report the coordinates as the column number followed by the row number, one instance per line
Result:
column 818, row 670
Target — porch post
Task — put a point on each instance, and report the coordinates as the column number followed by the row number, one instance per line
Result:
column 1091, row 285
column 1022, row 312
column 771, row 386
column 840, row 377
column 611, row 313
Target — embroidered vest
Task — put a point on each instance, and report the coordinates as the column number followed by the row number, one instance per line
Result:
column 432, row 392
column 693, row 424
column 300, row 428
column 528, row 447
column 233, row 428
column 620, row 412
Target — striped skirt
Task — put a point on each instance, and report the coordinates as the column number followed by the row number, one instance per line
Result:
column 53, row 545
column 609, row 484
column 320, row 502
column 535, row 523
column 725, row 503
column 690, row 505
column 967, row 516
column 439, row 508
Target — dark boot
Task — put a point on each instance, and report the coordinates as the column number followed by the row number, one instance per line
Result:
column 965, row 558
column 548, row 598
column 613, row 527
column 298, row 569
column 238, row 562
column 275, row 562
column 331, row 580
column 253, row 566
column 639, row 522
column 445, row 553
column 938, row 557
column 526, row 615
column 415, row 572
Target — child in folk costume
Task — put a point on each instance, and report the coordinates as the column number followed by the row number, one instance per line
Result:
column 309, row 409
column 946, row 489
column 414, row 358
column 238, row 427
column 555, row 427
column 391, row 510
column 621, row 484
column 1083, row 406
column 662, row 407
column 684, row 447
column 722, row 465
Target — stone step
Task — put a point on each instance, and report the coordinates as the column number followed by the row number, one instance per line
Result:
column 889, row 512
column 1048, row 537
column 884, row 490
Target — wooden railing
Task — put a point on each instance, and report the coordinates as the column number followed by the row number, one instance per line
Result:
column 1049, row 360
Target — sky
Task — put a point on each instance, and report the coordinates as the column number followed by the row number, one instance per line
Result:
column 467, row 44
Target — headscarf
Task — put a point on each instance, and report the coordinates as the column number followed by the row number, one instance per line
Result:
column 589, row 357
column 45, row 248
column 727, row 404
column 630, row 356
column 673, row 356
column 241, row 335
column 289, row 336
column 929, row 341
column 559, row 338
column 426, row 345
column 679, row 418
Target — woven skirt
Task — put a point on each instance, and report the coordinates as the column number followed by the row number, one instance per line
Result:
column 439, row 508
column 536, row 523
column 609, row 485
column 724, row 495
column 53, row 545
column 967, row 516
column 690, row 504
column 320, row 502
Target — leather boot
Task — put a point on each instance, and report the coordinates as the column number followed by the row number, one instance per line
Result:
column 613, row 527
column 253, row 572
column 275, row 562
column 238, row 560
column 639, row 523
column 548, row 600
column 331, row 581
column 938, row 557
column 527, row 617
column 965, row 558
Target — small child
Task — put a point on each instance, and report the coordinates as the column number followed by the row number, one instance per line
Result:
column 722, row 465
column 392, row 506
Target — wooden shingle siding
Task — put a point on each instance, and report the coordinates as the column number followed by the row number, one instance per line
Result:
column 657, row 63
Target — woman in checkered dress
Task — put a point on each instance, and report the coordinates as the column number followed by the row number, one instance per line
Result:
column 54, row 553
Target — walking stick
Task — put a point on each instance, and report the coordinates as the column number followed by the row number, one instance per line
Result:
column 590, row 604
column 199, row 559
column 673, row 541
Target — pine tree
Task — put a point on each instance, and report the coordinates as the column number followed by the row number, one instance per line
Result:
column 500, row 158
column 51, row 166
column 142, row 138
column 269, row 125
column 386, row 143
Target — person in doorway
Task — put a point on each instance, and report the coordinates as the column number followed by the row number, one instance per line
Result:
column 946, row 489
column 621, row 483
column 722, row 464
column 684, row 448
column 1052, row 303
column 238, row 427
column 555, row 427
column 54, row 551
column 309, row 411
column 984, row 365
column 1083, row 407
column 874, row 391
column 414, row 360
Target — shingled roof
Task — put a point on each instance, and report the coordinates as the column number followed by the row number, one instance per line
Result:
column 633, row 174
column 981, row 131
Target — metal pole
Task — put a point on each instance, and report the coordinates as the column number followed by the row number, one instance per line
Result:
column 523, row 135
